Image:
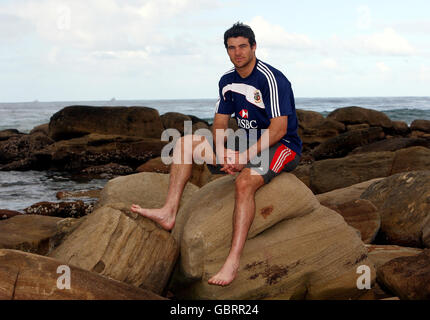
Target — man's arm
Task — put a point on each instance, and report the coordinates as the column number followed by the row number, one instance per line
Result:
column 220, row 122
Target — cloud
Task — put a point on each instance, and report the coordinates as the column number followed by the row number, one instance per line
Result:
column 364, row 19
column 388, row 42
column 383, row 68
column 275, row 36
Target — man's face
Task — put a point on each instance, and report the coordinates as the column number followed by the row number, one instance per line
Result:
column 240, row 51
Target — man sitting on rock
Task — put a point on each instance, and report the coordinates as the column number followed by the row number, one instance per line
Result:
column 260, row 97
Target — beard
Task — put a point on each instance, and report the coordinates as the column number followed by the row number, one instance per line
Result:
column 243, row 63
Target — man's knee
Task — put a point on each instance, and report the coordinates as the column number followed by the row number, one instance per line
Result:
column 247, row 182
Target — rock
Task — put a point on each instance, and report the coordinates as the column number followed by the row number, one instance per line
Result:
column 94, row 193
column 393, row 144
column 43, row 128
column 330, row 174
column 147, row 189
column 199, row 176
column 75, row 209
column 96, row 149
column 403, row 201
column 361, row 126
column 21, row 148
column 362, row 215
column 6, row 214
column 407, row 277
column 411, row 159
column 174, row 120
column 122, row 245
column 296, row 248
column 314, row 128
column 343, row 195
column 421, row 125
column 400, row 128
column 154, row 165
column 76, row 121
column 8, row 133
column 303, row 173
column 344, row 143
column 381, row 254
column 26, row 276
column 358, row 115
column 107, row 171
column 29, row 233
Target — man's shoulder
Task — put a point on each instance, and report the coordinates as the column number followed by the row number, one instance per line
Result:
column 268, row 73
column 227, row 76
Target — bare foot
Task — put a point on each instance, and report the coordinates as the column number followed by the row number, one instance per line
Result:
column 227, row 273
column 163, row 217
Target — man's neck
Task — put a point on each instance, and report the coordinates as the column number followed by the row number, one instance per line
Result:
column 245, row 71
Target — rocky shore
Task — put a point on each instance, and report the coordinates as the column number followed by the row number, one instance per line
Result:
column 360, row 198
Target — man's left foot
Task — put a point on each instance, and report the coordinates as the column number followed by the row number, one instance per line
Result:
column 226, row 275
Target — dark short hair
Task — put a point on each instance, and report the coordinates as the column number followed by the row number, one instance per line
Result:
column 240, row 30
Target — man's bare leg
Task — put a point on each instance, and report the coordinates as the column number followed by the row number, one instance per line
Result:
column 180, row 173
column 244, row 212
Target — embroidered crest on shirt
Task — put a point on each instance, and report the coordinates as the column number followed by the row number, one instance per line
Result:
column 257, row 96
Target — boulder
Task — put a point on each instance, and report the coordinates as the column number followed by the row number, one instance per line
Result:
column 18, row 151
column 393, row 144
column 344, row 143
column 97, row 149
column 76, row 121
column 343, row 195
column 174, row 120
column 330, row 174
column 314, row 128
column 122, row 245
column 381, row 254
column 107, row 171
column 361, row 126
column 358, row 115
column 8, row 133
column 400, row 128
column 93, row 193
column 411, row 159
column 296, row 248
column 199, row 176
column 31, row 233
column 407, row 277
column 303, row 173
column 147, row 189
column 6, row 214
column 362, row 215
column 43, row 128
column 73, row 209
column 27, row 276
column 421, row 125
column 154, row 165
column 403, row 201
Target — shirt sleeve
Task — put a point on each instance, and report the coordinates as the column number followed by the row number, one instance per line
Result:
column 278, row 96
column 224, row 104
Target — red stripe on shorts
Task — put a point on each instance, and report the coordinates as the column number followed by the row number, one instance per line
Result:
column 283, row 155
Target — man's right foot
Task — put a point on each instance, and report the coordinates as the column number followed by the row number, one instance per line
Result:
column 164, row 218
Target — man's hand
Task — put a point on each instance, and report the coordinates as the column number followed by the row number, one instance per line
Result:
column 233, row 161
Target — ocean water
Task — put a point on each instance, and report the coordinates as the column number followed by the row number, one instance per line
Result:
column 19, row 190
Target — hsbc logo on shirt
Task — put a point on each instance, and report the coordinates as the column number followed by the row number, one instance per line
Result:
column 244, row 122
column 244, row 113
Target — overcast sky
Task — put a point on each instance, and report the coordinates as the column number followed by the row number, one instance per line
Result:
column 54, row 50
